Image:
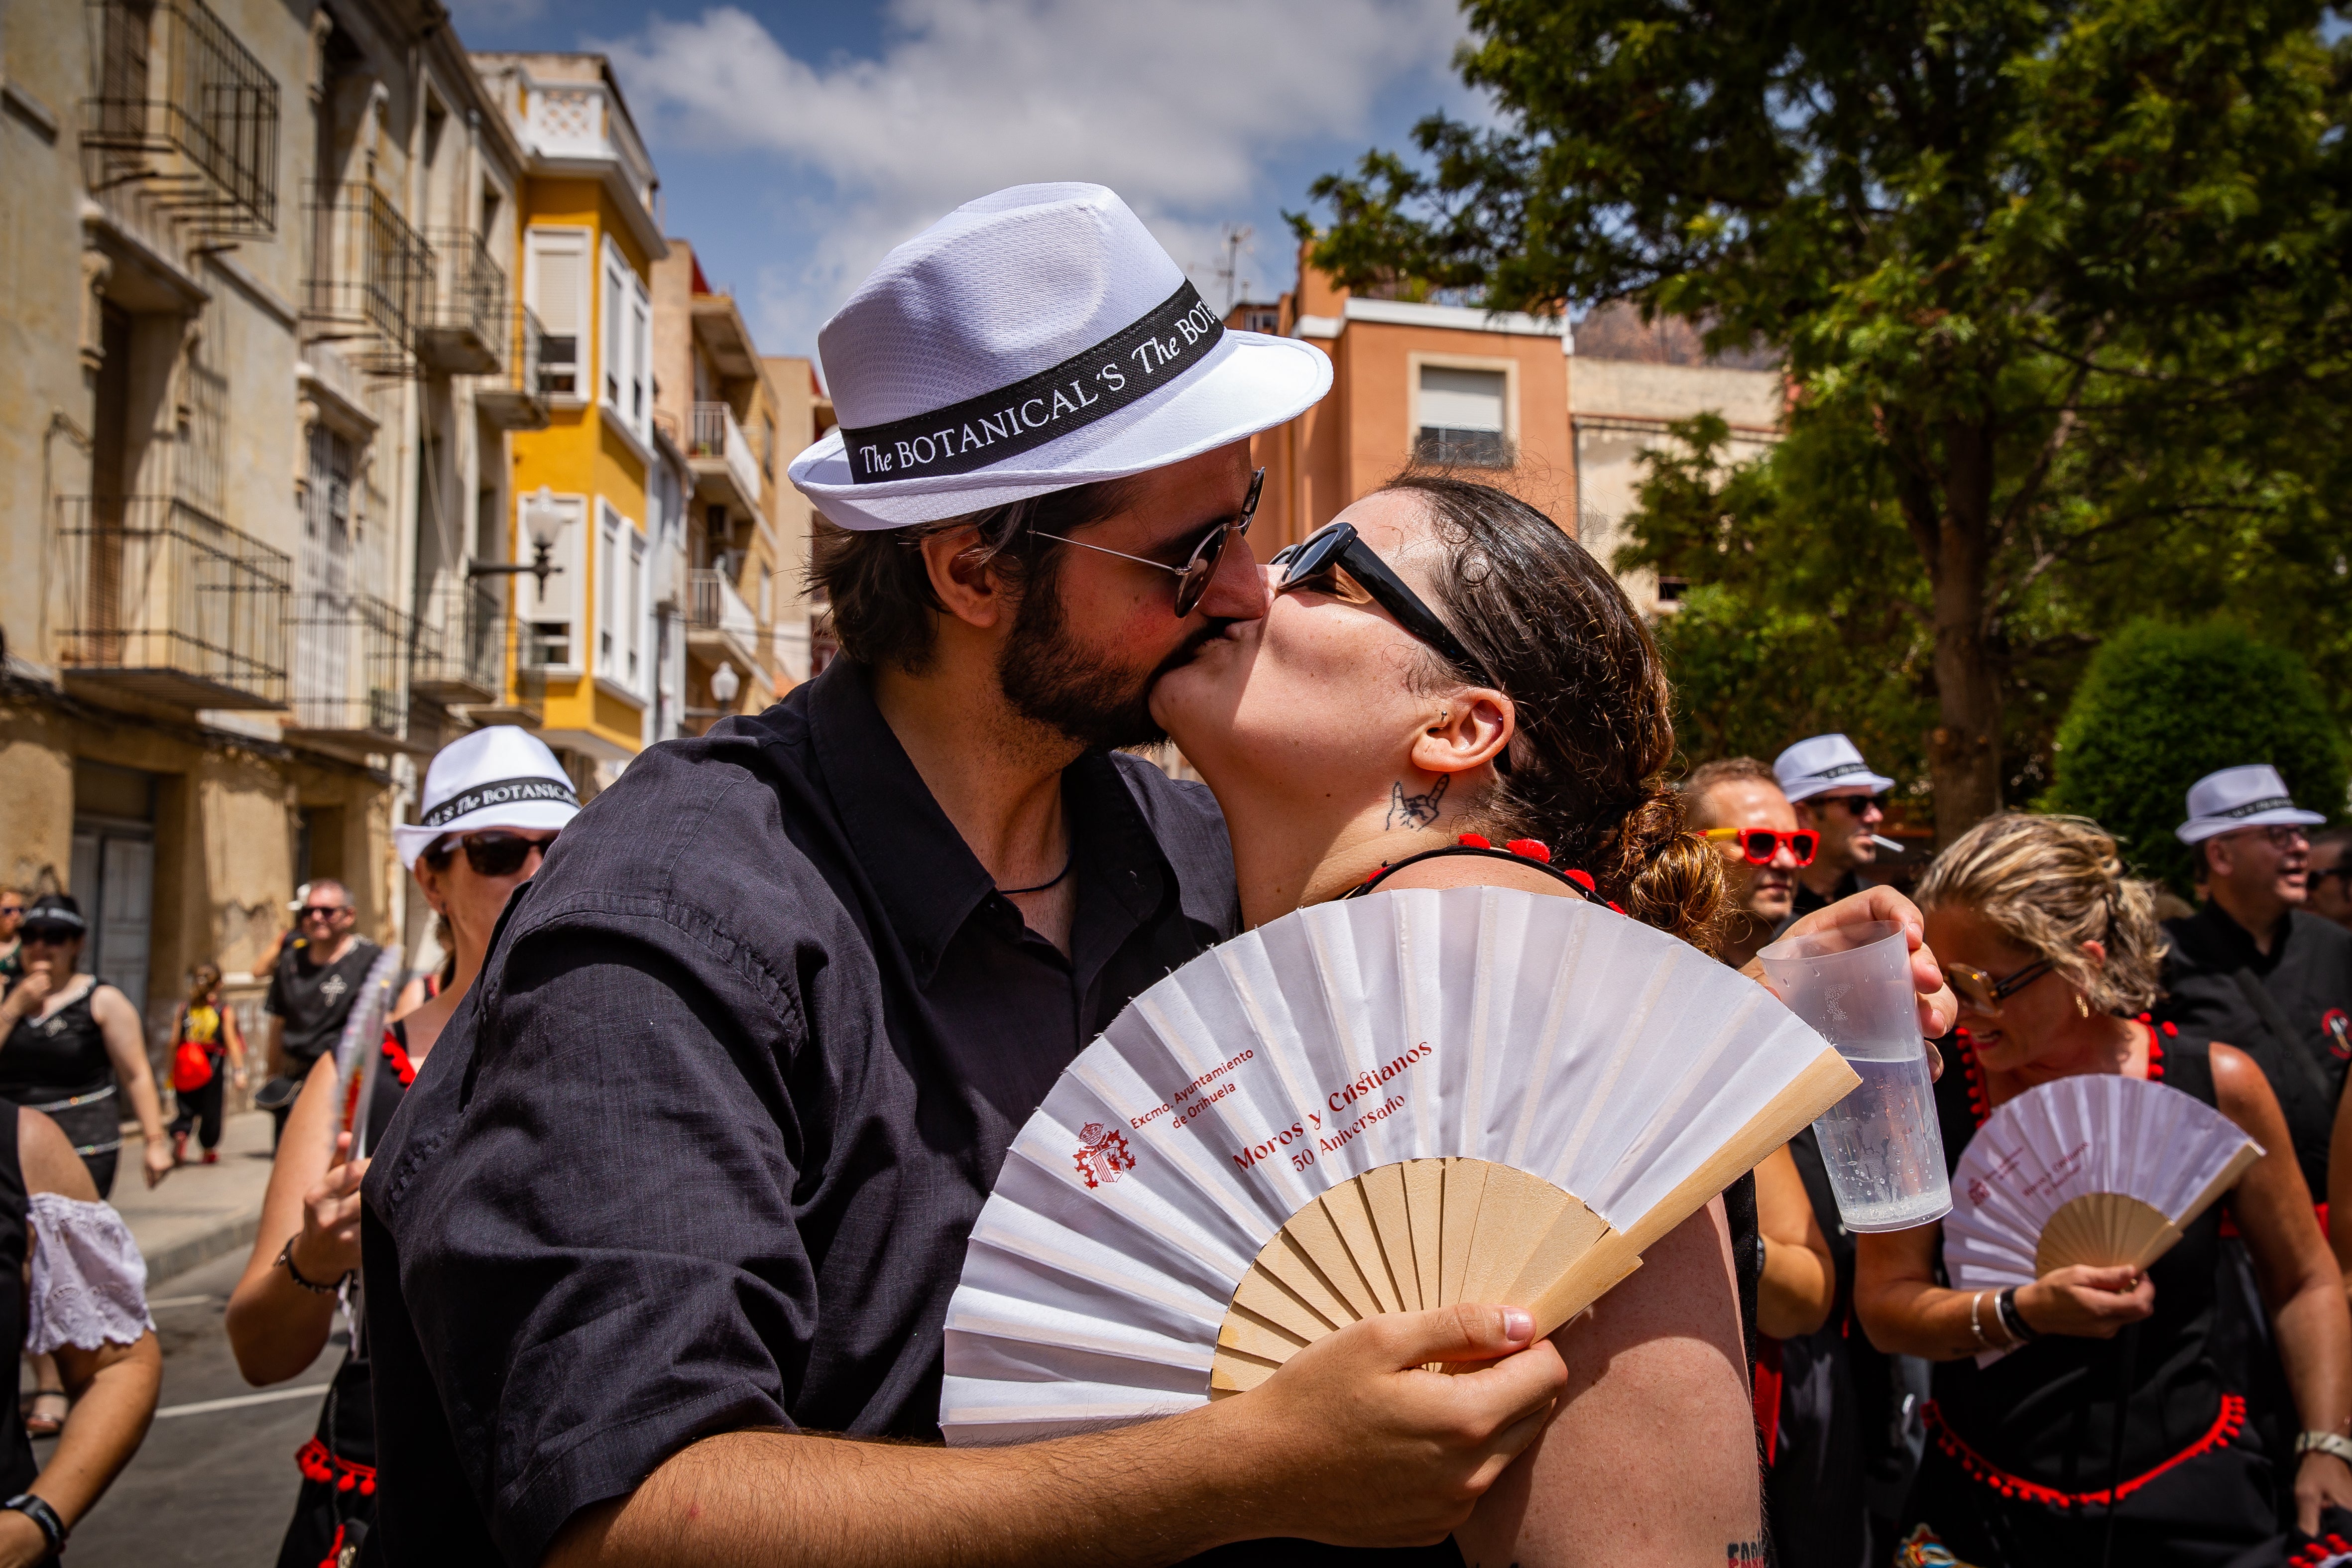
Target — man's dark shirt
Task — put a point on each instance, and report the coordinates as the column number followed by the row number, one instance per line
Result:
column 314, row 999
column 702, row 1148
column 2307, row 974
column 1805, row 900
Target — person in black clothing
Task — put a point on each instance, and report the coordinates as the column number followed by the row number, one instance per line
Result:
column 316, row 978
column 493, row 802
column 2253, row 967
column 2052, row 952
column 1838, row 797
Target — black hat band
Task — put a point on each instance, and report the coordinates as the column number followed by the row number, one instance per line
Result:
column 504, row 792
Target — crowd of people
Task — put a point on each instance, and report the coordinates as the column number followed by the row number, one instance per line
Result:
column 669, row 1164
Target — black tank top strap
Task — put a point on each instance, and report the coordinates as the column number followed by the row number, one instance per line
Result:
column 1527, row 852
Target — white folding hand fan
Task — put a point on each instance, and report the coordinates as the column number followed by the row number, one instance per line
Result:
column 2097, row 1169
column 1377, row 1105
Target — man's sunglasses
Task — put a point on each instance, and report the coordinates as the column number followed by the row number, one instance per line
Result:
column 1860, row 805
column 321, row 911
column 1760, row 844
column 2314, row 877
column 1199, row 568
column 490, row 853
column 1983, row 993
column 44, row 933
column 1335, row 551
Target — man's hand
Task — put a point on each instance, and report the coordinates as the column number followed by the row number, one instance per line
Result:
column 2086, row 1302
column 2320, row 1480
column 1938, row 1006
column 22, row 1544
column 1360, row 1446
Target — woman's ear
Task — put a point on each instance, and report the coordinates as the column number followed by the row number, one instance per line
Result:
column 2096, row 951
column 1470, row 731
column 968, row 585
column 429, row 882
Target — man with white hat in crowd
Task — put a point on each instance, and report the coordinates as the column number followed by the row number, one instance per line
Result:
column 2253, row 967
column 1837, row 796
column 748, row 1053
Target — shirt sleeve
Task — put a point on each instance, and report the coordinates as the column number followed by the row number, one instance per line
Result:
column 596, row 1250
column 87, row 1285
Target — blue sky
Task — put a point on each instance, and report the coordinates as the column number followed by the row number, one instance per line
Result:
column 798, row 142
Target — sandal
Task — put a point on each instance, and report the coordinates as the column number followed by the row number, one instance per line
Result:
column 39, row 1424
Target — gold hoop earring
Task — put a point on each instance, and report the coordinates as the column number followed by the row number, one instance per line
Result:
column 2082, row 1006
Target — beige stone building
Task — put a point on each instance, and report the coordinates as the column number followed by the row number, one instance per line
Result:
column 265, row 359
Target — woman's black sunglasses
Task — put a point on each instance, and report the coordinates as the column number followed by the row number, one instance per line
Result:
column 489, row 853
column 1199, row 568
column 45, row 933
column 1338, row 545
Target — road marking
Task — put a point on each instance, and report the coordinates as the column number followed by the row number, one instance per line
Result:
column 180, row 1302
column 207, row 1406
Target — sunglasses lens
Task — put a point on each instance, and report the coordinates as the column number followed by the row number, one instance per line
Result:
column 49, row 935
column 497, row 854
column 1759, row 844
column 1804, row 843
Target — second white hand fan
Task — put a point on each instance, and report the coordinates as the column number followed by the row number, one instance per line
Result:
column 2097, row 1169
column 1379, row 1104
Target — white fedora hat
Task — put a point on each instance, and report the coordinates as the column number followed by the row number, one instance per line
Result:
column 2253, row 797
column 1028, row 341
column 1825, row 762
column 498, row 777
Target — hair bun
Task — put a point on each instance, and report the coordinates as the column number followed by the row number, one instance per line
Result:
column 1668, row 878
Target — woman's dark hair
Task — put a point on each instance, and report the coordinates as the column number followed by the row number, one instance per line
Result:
column 880, row 593
column 1588, row 765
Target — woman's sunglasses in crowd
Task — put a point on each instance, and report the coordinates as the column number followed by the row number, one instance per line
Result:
column 1199, row 568
column 49, row 933
column 1335, row 559
column 1760, row 844
column 491, row 852
column 1984, row 994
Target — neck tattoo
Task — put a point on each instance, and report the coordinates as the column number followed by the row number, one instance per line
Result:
column 1414, row 811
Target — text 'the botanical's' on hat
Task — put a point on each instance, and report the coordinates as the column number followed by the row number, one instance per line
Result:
column 499, row 776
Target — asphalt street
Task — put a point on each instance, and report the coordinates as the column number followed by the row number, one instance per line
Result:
column 210, row 1487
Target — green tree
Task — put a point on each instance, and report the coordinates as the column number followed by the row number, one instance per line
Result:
column 2162, row 706
column 2059, row 286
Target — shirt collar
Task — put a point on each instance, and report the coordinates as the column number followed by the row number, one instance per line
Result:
column 926, row 875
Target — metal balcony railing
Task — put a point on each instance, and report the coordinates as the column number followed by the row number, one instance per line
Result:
column 460, row 654
column 347, row 672
column 516, row 394
column 152, row 596
column 716, row 435
column 463, row 328
column 718, row 624
column 368, row 280
column 181, row 110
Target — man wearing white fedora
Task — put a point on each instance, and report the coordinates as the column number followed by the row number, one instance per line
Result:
column 1837, row 795
column 2253, row 967
column 691, row 1174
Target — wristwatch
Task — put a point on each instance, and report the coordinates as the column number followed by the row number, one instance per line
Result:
column 42, row 1514
column 2308, row 1443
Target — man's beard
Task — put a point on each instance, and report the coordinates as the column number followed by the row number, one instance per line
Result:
column 1052, row 680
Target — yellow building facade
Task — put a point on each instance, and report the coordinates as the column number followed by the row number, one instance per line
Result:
column 582, row 666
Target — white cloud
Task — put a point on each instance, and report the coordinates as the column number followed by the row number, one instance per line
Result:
column 1180, row 105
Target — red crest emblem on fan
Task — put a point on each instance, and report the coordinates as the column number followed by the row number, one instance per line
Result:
column 2337, row 1027
column 1978, row 1191
column 1102, row 1155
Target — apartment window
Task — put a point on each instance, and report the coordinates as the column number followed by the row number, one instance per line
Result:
column 620, row 598
column 608, row 579
column 556, row 283
column 766, row 596
column 1462, row 420
column 626, row 349
column 634, row 660
column 1262, row 319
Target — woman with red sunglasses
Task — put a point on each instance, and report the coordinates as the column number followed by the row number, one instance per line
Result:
column 494, row 802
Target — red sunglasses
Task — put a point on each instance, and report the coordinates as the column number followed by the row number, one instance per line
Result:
column 1760, row 844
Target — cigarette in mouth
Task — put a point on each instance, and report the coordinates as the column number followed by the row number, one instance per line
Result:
column 1886, row 843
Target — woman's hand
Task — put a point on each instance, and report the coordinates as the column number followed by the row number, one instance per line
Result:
column 157, row 1157
column 22, row 1544
column 2321, row 1481
column 25, row 999
column 2087, row 1303
column 328, row 1245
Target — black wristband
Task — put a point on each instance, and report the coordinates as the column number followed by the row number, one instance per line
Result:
column 2013, row 1320
column 285, row 1257
column 43, row 1515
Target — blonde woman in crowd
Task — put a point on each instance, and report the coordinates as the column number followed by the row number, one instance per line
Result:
column 2053, row 954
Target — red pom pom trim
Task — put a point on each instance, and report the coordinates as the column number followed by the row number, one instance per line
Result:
column 1582, row 879
column 1530, row 849
column 1476, row 841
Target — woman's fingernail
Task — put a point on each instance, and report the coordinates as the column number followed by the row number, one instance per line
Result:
column 1517, row 1325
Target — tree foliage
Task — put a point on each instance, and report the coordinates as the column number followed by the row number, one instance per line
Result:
column 2058, row 284
column 2162, row 706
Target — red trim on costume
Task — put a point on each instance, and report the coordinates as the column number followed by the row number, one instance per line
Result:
column 2326, row 1552
column 1765, row 1390
column 1980, row 1103
column 2225, row 1429
column 396, row 1056
column 320, row 1463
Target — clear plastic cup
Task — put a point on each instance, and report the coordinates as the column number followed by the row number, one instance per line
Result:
column 1881, row 1144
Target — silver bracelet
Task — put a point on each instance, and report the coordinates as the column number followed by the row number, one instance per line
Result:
column 1976, row 1327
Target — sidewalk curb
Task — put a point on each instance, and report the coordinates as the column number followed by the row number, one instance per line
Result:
column 227, row 1236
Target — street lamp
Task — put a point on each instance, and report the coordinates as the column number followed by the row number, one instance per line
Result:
column 544, row 521
column 724, row 684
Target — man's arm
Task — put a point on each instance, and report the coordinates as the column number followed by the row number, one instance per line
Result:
column 1351, row 1443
